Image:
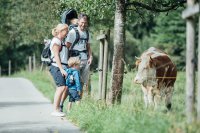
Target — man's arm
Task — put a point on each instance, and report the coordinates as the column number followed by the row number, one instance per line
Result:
column 71, row 36
column 89, row 54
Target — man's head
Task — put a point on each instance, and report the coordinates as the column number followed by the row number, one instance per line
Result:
column 83, row 20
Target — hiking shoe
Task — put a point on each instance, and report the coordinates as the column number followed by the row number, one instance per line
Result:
column 61, row 108
column 58, row 114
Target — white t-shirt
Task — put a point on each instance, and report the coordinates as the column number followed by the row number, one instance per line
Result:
column 82, row 44
column 63, row 52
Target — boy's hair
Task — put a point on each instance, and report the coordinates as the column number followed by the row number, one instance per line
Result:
column 73, row 61
column 74, row 21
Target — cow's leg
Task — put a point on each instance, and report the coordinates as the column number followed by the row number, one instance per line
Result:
column 156, row 101
column 150, row 96
column 144, row 89
column 168, row 97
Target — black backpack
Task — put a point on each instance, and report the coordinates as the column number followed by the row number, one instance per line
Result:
column 74, row 53
column 46, row 53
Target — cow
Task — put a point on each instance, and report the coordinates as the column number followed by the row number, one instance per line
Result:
column 157, row 75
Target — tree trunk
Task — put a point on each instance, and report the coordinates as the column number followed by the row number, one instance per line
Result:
column 118, row 56
column 198, row 82
column 190, row 47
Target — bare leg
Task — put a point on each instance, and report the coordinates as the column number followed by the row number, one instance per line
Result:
column 57, row 97
column 69, row 106
column 64, row 96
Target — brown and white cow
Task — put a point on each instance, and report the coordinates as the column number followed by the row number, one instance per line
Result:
column 157, row 75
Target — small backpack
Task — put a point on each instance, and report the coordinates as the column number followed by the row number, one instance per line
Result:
column 70, row 81
column 46, row 53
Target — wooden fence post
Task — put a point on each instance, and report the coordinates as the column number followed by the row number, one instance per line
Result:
column 198, row 82
column 100, row 63
column 29, row 64
column 34, row 62
column 190, row 73
column 9, row 67
column 105, row 65
column 0, row 71
column 41, row 67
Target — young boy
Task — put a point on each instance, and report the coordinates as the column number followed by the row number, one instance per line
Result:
column 73, row 81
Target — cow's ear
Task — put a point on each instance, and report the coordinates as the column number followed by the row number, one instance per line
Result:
column 152, row 63
column 137, row 62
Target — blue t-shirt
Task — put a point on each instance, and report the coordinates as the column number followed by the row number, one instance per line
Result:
column 73, row 79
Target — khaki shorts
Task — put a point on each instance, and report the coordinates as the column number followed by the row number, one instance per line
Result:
column 84, row 71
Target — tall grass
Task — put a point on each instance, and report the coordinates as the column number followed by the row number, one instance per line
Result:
column 130, row 116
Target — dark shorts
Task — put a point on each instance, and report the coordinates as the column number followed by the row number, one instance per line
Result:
column 57, row 76
column 73, row 95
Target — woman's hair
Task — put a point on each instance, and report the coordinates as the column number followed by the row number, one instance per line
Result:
column 73, row 61
column 59, row 28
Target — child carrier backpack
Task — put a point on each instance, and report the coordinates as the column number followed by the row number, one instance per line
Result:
column 46, row 53
column 66, row 16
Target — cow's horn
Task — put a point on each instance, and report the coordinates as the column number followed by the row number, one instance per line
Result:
column 137, row 58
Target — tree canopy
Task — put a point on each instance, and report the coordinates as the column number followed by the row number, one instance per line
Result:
column 24, row 25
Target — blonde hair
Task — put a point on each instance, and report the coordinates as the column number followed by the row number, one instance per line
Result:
column 73, row 61
column 59, row 28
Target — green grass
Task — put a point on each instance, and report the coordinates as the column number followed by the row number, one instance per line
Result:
column 94, row 116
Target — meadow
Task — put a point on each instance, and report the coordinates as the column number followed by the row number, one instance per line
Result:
column 94, row 116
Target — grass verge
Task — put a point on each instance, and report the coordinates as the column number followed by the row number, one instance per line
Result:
column 94, row 116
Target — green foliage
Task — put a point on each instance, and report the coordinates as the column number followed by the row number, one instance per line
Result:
column 101, row 12
column 29, row 22
column 24, row 25
column 169, row 35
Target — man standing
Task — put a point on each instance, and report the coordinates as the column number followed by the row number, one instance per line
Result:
column 78, row 42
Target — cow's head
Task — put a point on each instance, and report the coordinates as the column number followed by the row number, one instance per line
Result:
column 146, row 70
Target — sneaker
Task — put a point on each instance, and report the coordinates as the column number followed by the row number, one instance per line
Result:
column 61, row 108
column 58, row 114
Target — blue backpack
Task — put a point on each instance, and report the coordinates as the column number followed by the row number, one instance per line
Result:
column 70, row 80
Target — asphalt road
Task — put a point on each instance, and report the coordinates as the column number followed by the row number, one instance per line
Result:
column 23, row 109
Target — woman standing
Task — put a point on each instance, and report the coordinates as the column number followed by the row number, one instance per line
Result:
column 59, row 55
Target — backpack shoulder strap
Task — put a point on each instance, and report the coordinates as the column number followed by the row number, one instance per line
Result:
column 77, row 38
column 87, row 33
